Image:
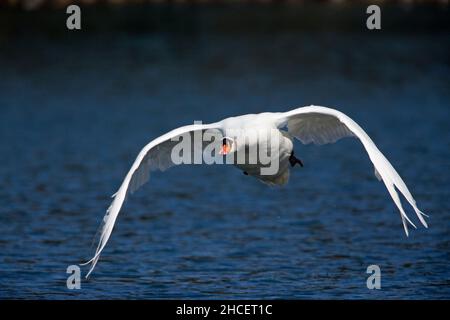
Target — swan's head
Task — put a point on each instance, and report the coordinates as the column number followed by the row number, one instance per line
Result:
column 228, row 146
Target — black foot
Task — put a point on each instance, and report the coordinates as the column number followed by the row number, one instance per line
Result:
column 293, row 160
column 246, row 173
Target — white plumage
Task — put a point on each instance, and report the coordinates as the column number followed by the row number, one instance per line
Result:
column 312, row 124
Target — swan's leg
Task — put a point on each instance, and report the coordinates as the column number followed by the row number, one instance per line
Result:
column 293, row 160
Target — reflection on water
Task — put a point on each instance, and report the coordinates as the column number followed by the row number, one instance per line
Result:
column 75, row 113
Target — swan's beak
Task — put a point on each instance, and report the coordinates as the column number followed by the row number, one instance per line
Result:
column 225, row 149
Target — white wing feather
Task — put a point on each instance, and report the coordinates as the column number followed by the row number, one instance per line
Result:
column 322, row 125
column 155, row 155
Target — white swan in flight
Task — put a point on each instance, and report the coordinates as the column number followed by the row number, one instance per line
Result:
column 312, row 124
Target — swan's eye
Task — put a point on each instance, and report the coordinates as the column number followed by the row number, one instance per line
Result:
column 226, row 146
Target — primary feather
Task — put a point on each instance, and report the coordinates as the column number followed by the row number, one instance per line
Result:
column 313, row 124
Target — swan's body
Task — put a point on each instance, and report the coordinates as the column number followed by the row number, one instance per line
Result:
column 311, row 124
column 282, row 150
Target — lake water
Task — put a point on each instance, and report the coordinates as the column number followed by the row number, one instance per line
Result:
column 76, row 109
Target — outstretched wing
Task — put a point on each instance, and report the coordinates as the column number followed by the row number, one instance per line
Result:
column 155, row 155
column 322, row 125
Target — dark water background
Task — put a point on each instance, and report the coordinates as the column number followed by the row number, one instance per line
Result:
column 75, row 109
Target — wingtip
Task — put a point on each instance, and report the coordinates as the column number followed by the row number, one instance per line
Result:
column 405, row 226
column 424, row 223
column 94, row 263
column 406, row 231
column 420, row 215
column 87, row 262
column 88, row 274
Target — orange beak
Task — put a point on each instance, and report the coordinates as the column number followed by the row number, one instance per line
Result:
column 225, row 149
